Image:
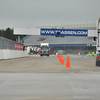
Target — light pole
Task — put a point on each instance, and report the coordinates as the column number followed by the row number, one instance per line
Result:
column 74, row 24
column 87, row 23
column 49, row 25
column 61, row 24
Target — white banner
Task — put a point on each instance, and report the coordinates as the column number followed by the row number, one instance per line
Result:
column 26, row 31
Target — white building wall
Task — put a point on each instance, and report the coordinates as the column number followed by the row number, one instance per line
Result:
column 1, row 54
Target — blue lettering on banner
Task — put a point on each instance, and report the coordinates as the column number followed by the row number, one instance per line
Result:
column 64, row 32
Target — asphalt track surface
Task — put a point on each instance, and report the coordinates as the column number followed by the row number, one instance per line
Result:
column 44, row 78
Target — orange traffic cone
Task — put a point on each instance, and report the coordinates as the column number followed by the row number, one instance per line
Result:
column 59, row 56
column 68, row 63
column 78, row 53
column 62, row 60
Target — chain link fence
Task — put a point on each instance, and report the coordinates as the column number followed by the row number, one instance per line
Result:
column 7, row 43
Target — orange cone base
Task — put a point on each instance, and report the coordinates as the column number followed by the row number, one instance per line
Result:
column 62, row 62
column 68, row 63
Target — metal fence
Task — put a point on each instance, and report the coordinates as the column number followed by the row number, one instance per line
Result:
column 72, row 50
column 7, row 43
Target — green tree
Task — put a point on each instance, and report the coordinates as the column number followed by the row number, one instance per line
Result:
column 8, row 33
column 1, row 32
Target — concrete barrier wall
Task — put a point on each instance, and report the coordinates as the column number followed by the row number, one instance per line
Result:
column 8, row 54
column 1, row 54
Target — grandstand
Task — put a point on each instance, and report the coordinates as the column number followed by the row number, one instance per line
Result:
column 75, row 44
column 69, row 44
column 36, row 40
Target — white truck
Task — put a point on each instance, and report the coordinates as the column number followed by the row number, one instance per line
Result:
column 44, row 49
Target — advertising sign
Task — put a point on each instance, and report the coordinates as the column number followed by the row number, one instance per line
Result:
column 18, row 47
column 64, row 32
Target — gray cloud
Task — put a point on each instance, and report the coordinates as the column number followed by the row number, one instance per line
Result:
column 32, row 13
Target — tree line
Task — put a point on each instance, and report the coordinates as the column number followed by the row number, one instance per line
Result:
column 8, row 33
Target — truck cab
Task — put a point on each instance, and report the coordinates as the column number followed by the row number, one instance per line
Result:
column 44, row 49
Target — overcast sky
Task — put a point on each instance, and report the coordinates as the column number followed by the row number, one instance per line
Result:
column 33, row 13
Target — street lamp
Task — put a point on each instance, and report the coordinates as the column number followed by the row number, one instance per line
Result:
column 49, row 25
column 74, row 24
column 87, row 23
column 61, row 24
